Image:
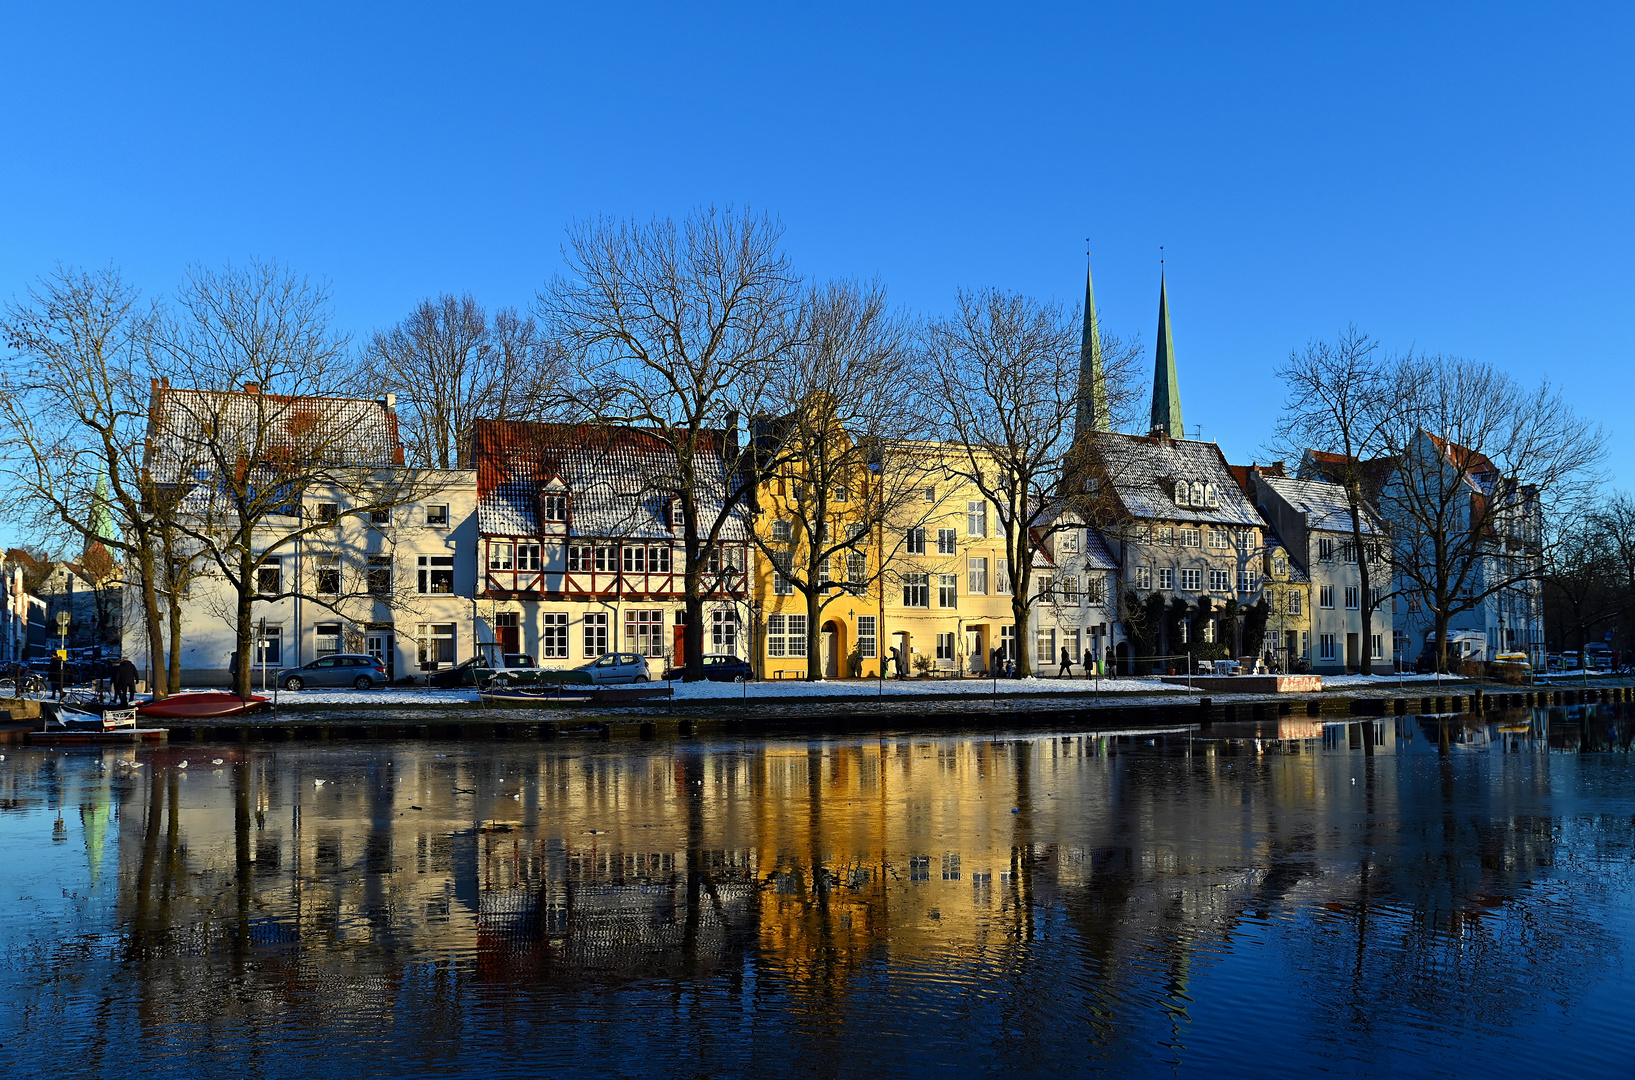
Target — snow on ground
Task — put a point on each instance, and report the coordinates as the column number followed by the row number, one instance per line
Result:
column 1353, row 682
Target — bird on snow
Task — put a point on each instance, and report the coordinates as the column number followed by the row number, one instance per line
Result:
column 183, row 765
column 317, row 783
column 215, row 761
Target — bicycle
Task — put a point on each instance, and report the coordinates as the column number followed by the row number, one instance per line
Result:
column 19, row 682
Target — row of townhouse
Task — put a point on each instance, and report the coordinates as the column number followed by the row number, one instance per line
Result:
column 557, row 543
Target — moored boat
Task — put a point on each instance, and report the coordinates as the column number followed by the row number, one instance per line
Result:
column 202, row 705
column 542, row 696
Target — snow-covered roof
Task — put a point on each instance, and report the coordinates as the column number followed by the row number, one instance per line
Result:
column 1324, row 504
column 618, row 480
column 1148, row 474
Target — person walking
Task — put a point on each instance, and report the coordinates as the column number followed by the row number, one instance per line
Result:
column 124, row 681
column 1067, row 664
column 55, row 674
column 1089, row 663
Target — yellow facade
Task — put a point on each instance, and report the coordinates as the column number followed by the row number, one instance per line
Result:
column 1288, row 596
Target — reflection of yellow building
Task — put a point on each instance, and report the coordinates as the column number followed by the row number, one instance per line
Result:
column 1287, row 590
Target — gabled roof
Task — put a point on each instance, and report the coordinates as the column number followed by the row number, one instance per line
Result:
column 1332, row 468
column 618, row 479
column 189, row 430
column 1143, row 470
column 1324, row 504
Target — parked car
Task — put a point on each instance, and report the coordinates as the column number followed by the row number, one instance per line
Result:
column 519, row 668
column 612, row 668
column 719, row 667
column 340, row 669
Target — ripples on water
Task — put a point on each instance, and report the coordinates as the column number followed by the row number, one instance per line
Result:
column 1352, row 899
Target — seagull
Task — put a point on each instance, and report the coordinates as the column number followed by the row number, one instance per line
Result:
column 215, row 761
column 317, row 783
column 183, row 765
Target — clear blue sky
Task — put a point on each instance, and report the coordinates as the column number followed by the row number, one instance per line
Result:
column 1451, row 178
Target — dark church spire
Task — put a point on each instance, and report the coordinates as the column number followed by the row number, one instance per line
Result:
column 1093, row 413
column 1166, row 389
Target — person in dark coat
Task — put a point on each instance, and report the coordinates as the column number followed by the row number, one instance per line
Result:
column 124, row 681
column 55, row 674
column 1089, row 663
column 1067, row 664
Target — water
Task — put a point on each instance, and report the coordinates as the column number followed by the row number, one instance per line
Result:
column 1352, row 900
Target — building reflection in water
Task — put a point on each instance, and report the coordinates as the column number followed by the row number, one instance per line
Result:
column 1123, row 899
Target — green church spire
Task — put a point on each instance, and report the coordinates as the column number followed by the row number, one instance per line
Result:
column 1093, row 413
column 1166, row 389
column 101, row 519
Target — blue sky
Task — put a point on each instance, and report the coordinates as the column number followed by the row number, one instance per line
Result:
column 1451, row 178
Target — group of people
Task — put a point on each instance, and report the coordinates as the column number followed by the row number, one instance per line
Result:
column 121, row 676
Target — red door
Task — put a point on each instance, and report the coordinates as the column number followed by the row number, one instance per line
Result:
column 680, row 659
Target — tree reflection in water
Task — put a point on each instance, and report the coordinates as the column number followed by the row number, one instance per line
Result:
column 1374, row 897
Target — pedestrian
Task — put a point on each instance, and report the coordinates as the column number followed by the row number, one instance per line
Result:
column 124, row 681
column 232, row 671
column 1089, row 662
column 1067, row 664
column 55, row 674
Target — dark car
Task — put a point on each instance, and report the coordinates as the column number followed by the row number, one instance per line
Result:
column 519, row 668
column 719, row 667
column 341, row 669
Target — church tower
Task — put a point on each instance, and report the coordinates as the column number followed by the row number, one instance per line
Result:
column 1166, row 389
column 1093, row 414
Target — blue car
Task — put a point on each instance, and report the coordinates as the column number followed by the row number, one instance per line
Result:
column 719, row 667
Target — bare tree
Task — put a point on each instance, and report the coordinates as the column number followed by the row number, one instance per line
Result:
column 1478, row 464
column 1586, row 575
column 679, row 328
column 1342, row 403
column 243, row 463
column 73, row 405
column 843, row 397
column 1007, row 389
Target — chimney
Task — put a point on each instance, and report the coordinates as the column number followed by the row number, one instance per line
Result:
column 252, row 388
column 390, row 401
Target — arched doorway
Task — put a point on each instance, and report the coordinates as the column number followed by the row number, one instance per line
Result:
column 834, row 647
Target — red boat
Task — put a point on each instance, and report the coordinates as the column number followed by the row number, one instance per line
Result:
column 200, row 706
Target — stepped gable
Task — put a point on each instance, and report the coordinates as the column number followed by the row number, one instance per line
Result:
column 1144, row 471
column 615, row 478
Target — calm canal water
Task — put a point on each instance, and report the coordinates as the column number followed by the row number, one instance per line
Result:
column 1354, row 900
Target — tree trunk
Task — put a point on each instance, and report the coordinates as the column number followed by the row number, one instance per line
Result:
column 1365, row 659
column 814, row 655
column 150, row 612
column 1441, row 637
column 246, row 628
column 175, row 672
column 1019, row 612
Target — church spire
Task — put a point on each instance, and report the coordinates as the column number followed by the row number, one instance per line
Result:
column 1093, row 413
column 1166, row 390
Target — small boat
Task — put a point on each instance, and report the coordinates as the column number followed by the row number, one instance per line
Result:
column 571, row 694
column 200, row 706
column 87, row 716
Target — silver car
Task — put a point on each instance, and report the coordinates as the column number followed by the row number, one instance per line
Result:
column 342, row 669
column 617, row 668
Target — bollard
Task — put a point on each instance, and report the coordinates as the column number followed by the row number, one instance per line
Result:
column 1400, row 706
column 649, row 730
column 685, row 727
column 1314, row 708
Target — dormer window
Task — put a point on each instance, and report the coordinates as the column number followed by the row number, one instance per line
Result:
column 553, row 507
column 1198, row 493
column 1183, row 496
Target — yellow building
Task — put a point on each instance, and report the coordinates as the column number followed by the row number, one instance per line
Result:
column 1287, row 590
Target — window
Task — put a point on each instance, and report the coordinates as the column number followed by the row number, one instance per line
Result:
column 380, row 575
column 782, row 532
column 644, row 632
column 1217, row 581
column 976, row 518
column 1374, row 597
column 1166, row 534
column 269, row 647
column 1189, row 580
column 945, row 647
column 658, row 560
column 917, row 590
column 1007, row 643
column 1280, row 567
column 945, row 541
column 1095, row 590
column 328, row 512
column 930, row 494
column 723, row 632
column 380, row 517
column 786, row 635
column 554, row 507
column 326, row 639
column 1070, row 591
column 1044, row 646
column 435, row 642
column 553, row 635
column 269, row 576
column 1325, row 596
column 1413, row 605
column 329, row 574
column 1189, row 538
column 437, row 514
column 1294, row 602
column 595, row 635
column 1143, row 577
column 437, row 575
column 1044, row 587
column 857, row 571
column 1352, row 597
column 1348, row 551
column 866, row 636
column 499, row 555
column 1069, row 541
column 1305, row 644
column 1002, row 577
column 1209, row 631
column 915, row 541
column 635, row 560
column 1217, row 538
column 1379, row 647
column 1325, row 646
column 976, row 577
column 1166, row 578
column 840, row 494
column 1183, row 493
column 527, row 556
column 781, row 584
column 1325, row 549
column 1247, row 581
column 948, row 590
